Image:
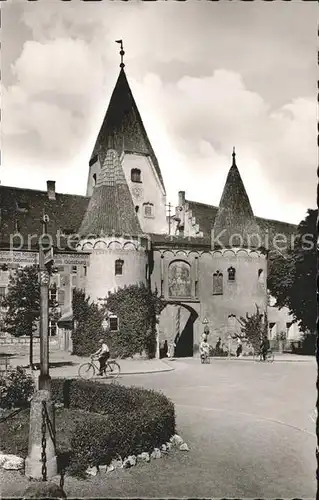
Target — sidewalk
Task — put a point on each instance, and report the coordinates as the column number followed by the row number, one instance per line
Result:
column 279, row 357
column 63, row 364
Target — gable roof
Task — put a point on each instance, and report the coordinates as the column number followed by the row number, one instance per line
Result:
column 22, row 209
column 122, row 128
column 110, row 209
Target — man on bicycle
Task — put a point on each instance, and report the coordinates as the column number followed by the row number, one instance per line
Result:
column 103, row 354
column 264, row 347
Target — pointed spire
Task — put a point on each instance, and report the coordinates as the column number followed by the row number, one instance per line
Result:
column 110, row 209
column 235, row 224
column 123, row 127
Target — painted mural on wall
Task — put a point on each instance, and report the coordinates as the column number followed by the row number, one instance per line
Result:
column 179, row 279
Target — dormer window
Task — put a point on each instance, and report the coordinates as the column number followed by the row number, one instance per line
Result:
column 68, row 231
column 22, row 206
column 93, row 160
column 148, row 209
column 136, row 175
column 119, row 267
column 231, row 274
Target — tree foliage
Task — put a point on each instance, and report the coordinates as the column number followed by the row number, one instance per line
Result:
column 136, row 306
column 292, row 275
column 22, row 304
column 88, row 318
column 254, row 327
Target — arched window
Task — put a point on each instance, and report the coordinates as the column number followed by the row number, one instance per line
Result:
column 136, row 175
column 148, row 209
column 119, row 266
column 218, row 283
column 261, row 276
column 231, row 274
column 94, row 179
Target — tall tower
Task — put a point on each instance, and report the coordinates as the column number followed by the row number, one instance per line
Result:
column 123, row 130
column 239, row 262
column 111, row 232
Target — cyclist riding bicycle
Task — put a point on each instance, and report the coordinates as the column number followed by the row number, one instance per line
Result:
column 264, row 347
column 204, row 349
column 103, row 354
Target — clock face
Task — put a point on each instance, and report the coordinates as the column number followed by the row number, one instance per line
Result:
column 137, row 192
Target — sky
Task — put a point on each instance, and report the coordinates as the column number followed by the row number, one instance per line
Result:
column 206, row 77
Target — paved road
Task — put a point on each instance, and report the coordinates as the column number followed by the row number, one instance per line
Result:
column 250, row 427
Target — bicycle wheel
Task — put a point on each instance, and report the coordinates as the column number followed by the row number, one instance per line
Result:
column 270, row 357
column 256, row 357
column 86, row 371
column 112, row 369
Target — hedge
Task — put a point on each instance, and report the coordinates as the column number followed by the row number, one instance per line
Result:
column 122, row 420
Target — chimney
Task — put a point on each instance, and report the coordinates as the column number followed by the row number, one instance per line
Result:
column 181, row 198
column 51, row 190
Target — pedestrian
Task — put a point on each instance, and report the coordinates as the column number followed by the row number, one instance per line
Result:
column 239, row 347
column 218, row 344
column 171, row 350
column 165, row 349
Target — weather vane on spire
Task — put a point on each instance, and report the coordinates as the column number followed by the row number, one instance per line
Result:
column 121, row 52
column 234, row 156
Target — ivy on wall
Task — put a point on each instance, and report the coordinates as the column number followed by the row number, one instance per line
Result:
column 136, row 308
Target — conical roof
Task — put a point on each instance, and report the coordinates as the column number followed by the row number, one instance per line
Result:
column 122, row 127
column 235, row 224
column 110, row 209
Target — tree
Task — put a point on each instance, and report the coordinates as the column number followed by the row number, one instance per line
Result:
column 254, row 327
column 292, row 275
column 23, row 305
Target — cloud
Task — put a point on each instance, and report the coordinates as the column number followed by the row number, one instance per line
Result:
column 194, row 115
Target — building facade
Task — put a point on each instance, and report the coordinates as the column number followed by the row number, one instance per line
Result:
column 209, row 263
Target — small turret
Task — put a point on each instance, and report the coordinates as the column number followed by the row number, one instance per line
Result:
column 235, row 224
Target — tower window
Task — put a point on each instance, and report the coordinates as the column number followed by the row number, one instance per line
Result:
column 148, row 209
column 119, row 266
column 137, row 209
column 261, row 277
column 17, row 226
column 74, row 269
column 231, row 274
column 218, row 283
column 136, row 175
column 94, row 179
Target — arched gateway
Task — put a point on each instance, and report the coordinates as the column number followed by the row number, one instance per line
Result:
column 177, row 324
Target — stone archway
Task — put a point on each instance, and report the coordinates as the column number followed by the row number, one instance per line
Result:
column 176, row 324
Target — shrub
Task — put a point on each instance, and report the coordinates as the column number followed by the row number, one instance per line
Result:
column 123, row 420
column 136, row 306
column 16, row 389
column 88, row 318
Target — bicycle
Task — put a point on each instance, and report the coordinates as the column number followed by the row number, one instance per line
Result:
column 204, row 358
column 90, row 369
column 258, row 356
